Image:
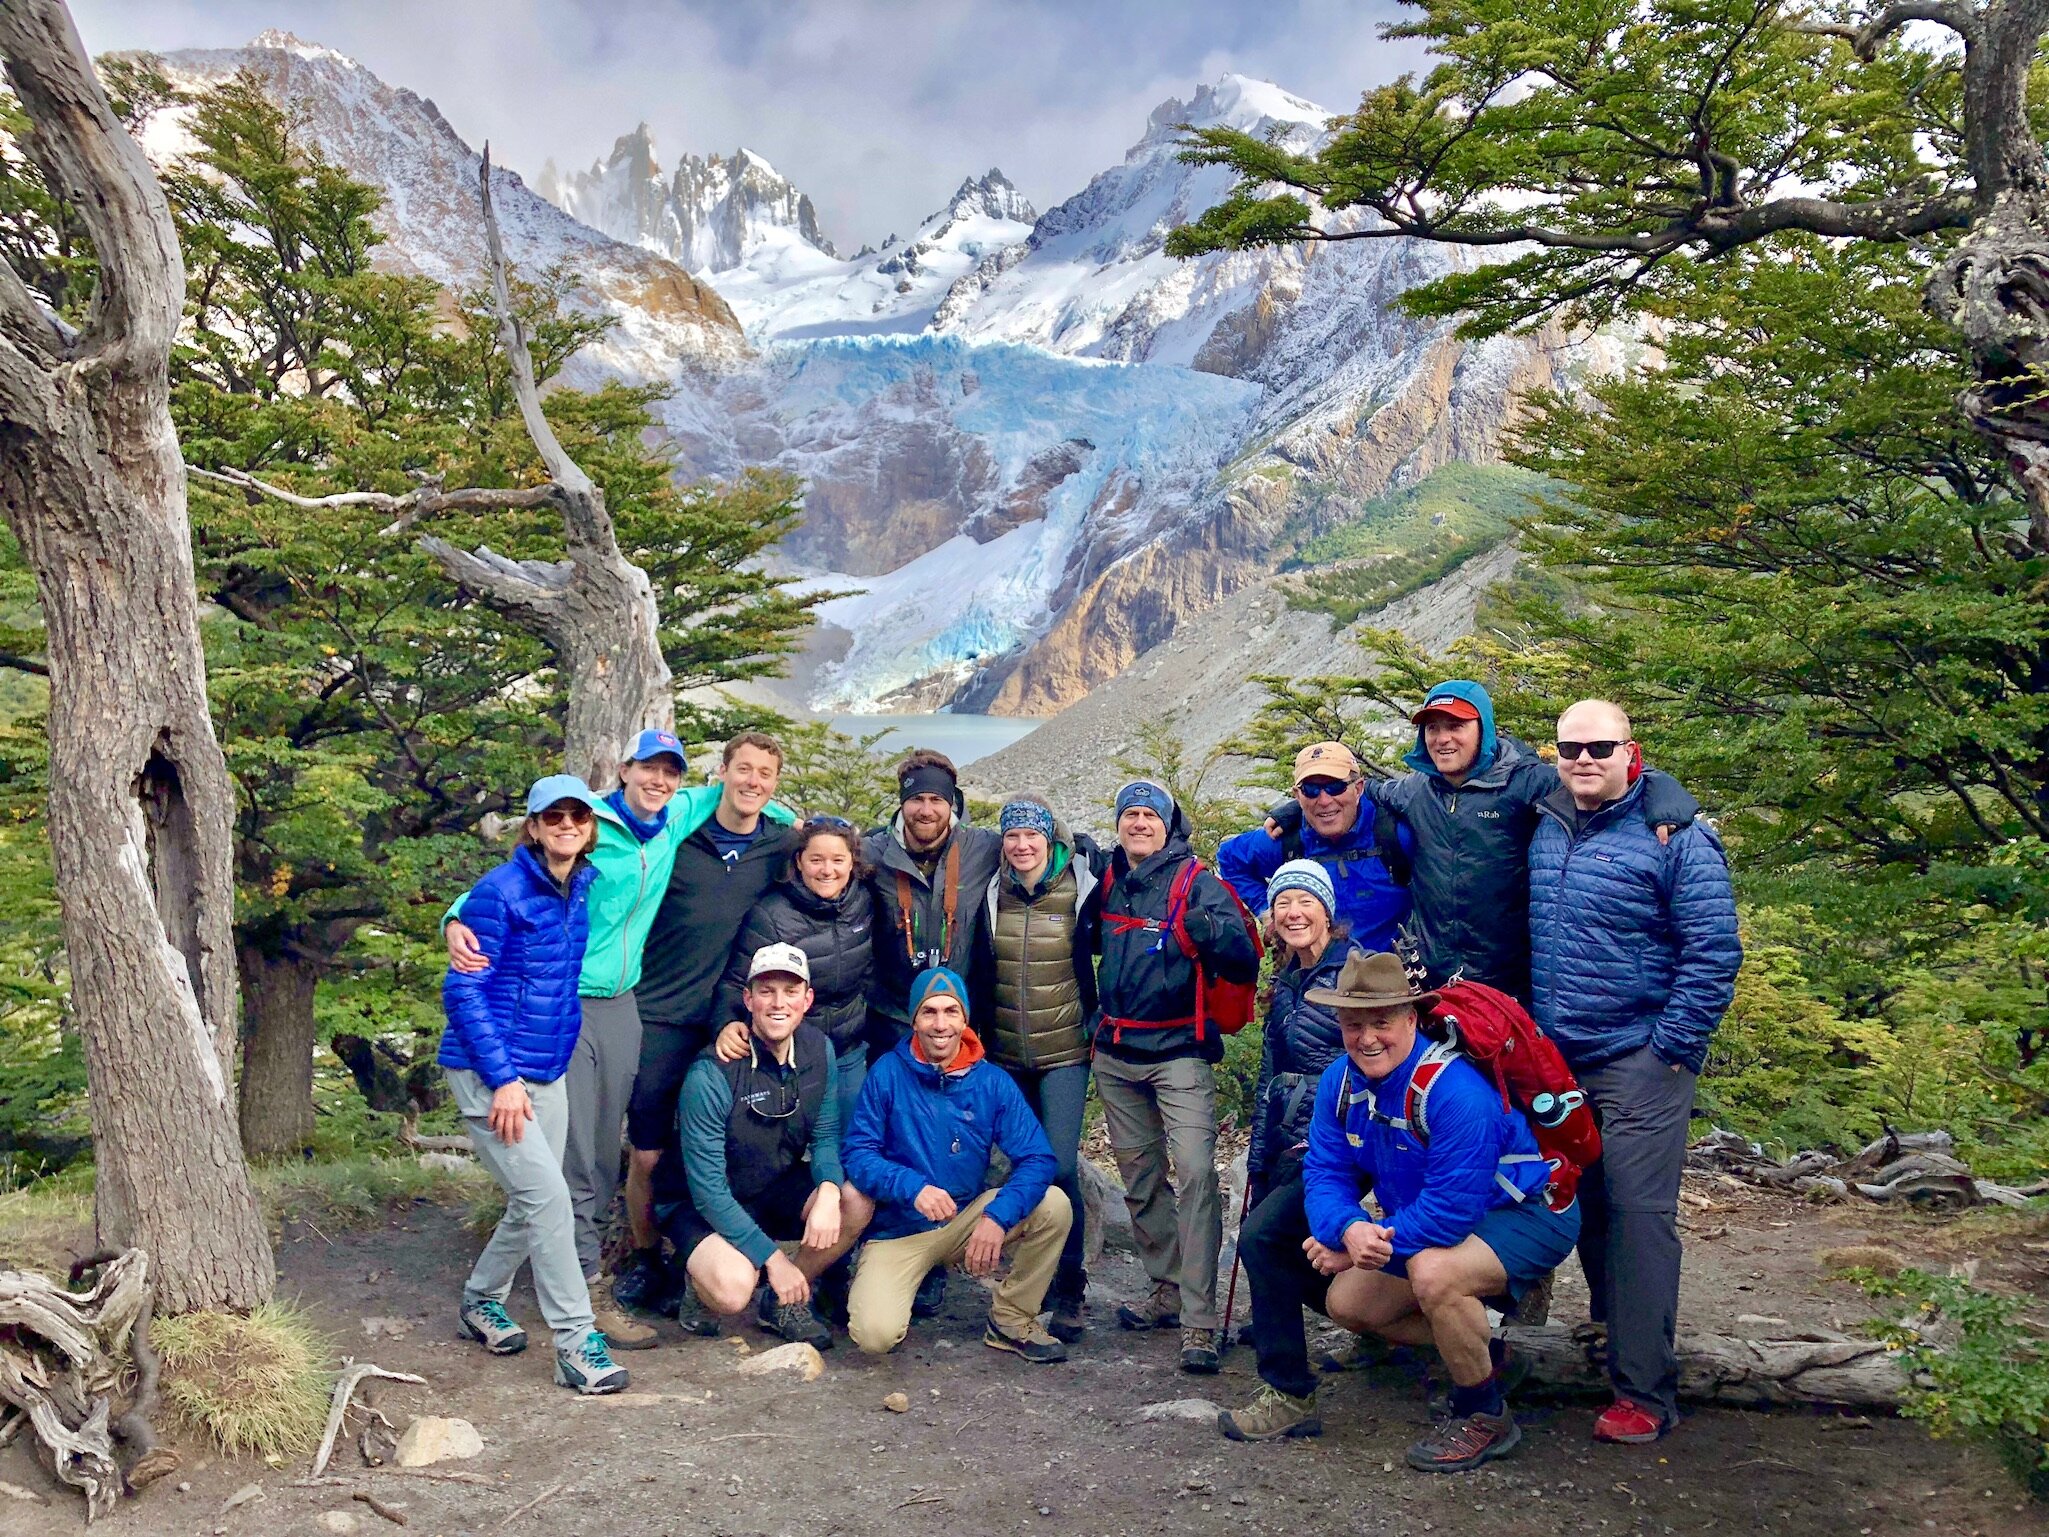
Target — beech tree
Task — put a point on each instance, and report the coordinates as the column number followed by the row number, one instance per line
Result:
column 1604, row 148
column 93, row 488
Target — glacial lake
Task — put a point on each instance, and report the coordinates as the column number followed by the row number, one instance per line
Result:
column 963, row 738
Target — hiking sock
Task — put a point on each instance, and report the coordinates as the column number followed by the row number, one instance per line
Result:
column 1497, row 1353
column 1481, row 1398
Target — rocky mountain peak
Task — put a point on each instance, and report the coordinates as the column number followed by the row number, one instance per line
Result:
column 993, row 196
column 1234, row 101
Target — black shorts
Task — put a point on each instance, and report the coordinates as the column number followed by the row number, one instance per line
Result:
column 666, row 1052
column 779, row 1210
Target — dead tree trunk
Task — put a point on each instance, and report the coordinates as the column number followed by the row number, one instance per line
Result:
column 1828, row 1369
column 597, row 608
column 139, row 804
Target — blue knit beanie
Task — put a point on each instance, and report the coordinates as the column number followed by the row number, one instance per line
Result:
column 1303, row 875
column 1147, row 793
column 1029, row 815
column 937, row 981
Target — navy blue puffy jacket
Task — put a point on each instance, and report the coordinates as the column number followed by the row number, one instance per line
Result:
column 1300, row 1040
column 1369, row 901
column 519, row 1018
column 1631, row 944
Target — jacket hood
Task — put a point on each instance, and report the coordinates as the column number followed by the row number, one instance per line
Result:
column 1474, row 695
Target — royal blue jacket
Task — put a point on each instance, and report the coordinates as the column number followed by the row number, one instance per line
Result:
column 915, row 1126
column 1631, row 944
column 520, row 1017
column 1432, row 1196
column 1369, row 901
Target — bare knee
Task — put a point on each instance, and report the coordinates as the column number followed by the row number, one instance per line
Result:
column 725, row 1282
column 645, row 1159
column 856, row 1210
column 1434, row 1278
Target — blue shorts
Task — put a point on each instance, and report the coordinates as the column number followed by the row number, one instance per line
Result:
column 1528, row 1237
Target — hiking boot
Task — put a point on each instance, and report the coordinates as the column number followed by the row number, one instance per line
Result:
column 1628, row 1424
column 1458, row 1445
column 641, row 1284
column 1160, row 1310
column 931, row 1294
column 1361, row 1353
column 692, row 1316
column 1199, row 1350
column 1035, row 1344
column 590, row 1368
column 1271, row 1413
column 621, row 1330
column 491, row 1326
column 1068, row 1321
column 794, row 1321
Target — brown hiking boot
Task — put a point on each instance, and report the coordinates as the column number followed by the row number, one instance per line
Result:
column 1198, row 1350
column 1272, row 1413
column 622, row 1331
column 1161, row 1310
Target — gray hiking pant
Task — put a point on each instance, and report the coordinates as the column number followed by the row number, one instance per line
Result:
column 537, row 1224
column 600, row 1082
column 1155, row 1111
column 1629, row 1220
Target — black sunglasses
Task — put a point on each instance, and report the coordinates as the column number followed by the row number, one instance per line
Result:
column 1315, row 788
column 1571, row 750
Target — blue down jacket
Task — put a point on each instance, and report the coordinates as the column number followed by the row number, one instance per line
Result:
column 1300, row 1040
column 519, row 1018
column 1631, row 944
column 1369, row 901
column 916, row 1126
column 1481, row 1155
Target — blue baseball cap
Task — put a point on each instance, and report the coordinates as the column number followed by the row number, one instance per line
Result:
column 654, row 743
column 551, row 788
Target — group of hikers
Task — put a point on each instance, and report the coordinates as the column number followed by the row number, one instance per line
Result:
column 815, row 1039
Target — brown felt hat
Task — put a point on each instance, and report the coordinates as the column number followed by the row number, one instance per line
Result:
column 1370, row 981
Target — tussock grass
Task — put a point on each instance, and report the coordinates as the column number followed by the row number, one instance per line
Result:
column 355, row 1192
column 257, row 1384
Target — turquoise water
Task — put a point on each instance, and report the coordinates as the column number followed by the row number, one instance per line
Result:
column 963, row 738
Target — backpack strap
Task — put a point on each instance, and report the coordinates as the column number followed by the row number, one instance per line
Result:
column 1416, row 1099
column 1387, row 843
column 949, row 905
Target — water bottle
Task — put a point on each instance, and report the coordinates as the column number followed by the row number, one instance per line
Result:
column 1550, row 1110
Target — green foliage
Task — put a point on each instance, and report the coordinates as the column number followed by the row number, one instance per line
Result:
column 825, row 771
column 1403, row 542
column 1613, row 136
column 1977, row 1369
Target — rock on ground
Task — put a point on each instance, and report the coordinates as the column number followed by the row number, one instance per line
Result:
column 795, row 1357
column 430, row 1439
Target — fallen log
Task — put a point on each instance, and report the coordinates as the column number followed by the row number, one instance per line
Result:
column 1919, row 1168
column 1831, row 1370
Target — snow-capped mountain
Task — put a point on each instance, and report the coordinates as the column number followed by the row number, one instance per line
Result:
column 711, row 215
column 433, row 226
column 1030, row 445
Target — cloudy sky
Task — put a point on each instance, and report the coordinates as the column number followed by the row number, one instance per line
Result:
column 877, row 108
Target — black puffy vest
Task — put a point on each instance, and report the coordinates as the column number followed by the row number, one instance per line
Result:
column 769, row 1126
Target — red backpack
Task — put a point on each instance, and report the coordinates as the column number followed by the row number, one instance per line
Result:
column 1496, row 1034
column 1230, row 1006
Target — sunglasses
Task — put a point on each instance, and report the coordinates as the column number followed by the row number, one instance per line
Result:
column 837, row 824
column 1316, row 788
column 1571, row 750
column 565, row 816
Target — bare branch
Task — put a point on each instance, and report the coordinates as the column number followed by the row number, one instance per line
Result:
column 532, row 590
column 88, row 159
column 408, row 506
column 1960, row 17
column 512, row 336
column 26, row 664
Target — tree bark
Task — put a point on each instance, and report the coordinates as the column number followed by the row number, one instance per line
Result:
column 279, row 1030
column 93, row 487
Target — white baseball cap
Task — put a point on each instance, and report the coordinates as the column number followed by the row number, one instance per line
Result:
column 787, row 959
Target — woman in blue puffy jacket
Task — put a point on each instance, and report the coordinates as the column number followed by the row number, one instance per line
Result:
column 511, row 1031
column 1300, row 1038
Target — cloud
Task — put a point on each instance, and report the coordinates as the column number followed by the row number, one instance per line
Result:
column 876, row 108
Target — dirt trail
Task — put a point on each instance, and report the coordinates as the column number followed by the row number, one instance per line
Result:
column 991, row 1445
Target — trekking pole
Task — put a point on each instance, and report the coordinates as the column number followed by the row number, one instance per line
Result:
column 1231, row 1295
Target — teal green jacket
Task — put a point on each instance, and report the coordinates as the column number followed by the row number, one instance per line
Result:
column 630, row 879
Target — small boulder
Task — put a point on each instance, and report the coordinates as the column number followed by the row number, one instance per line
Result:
column 447, row 1163
column 336, row 1521
column 431, row 1439
column 897, row 1403
column 795, row 1357
column 1181, row 1409
column 1863, row 1256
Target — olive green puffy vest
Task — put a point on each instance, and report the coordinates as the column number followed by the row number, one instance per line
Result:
column 1039, row 1020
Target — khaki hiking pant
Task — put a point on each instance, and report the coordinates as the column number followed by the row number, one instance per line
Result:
column 879, row 1306
column 1155, row 1111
